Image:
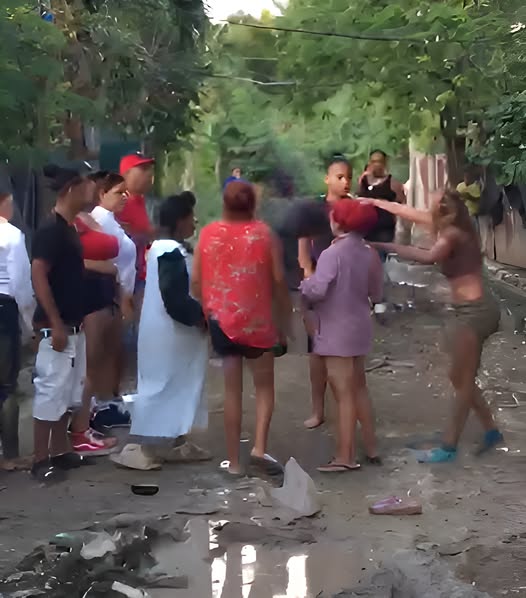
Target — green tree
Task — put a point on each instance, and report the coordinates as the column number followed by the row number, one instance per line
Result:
column 446, row 58
column 138, row 62
column 34, row 95
column 248, row 119
column 133, row 67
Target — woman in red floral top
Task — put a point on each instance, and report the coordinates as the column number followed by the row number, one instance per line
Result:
column 237, row 274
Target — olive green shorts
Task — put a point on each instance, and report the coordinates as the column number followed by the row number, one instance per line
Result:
column 481, row 316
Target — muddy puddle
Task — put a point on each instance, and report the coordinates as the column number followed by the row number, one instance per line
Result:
column 261, row 565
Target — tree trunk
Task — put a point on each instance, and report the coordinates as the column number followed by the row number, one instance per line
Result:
column 456, row 159
column 218, row 167
column 188, row 179
column 74, row 130
column 455, row 148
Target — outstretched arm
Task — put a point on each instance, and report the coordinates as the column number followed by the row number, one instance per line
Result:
column 438, row 253
column 404, row 211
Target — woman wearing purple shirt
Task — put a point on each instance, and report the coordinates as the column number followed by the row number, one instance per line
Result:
column 348, row 275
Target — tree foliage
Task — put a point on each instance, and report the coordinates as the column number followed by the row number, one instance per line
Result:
column 248, row 119
column 505, row 140
column 33, row 93
column 454, row 58
column 134, row 67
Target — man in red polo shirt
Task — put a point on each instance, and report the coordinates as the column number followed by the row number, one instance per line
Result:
column 138, row 172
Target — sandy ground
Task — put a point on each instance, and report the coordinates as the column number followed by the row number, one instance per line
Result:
column 474, row 509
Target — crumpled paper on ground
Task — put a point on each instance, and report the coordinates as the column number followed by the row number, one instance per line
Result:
column 298, row 493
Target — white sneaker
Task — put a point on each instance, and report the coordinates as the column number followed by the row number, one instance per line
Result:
column 133, row 456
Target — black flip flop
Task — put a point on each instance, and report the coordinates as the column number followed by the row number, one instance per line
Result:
column 268, row 465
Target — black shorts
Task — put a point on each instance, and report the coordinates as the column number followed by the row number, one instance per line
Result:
column 100, row 291
column 224, row 347
column 10, row 346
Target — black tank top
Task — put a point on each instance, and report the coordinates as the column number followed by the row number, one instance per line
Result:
column 384, row 231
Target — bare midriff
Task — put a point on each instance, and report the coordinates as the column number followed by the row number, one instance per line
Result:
column 463, row 269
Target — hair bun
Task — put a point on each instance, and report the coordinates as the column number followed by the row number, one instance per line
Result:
column 240, row 197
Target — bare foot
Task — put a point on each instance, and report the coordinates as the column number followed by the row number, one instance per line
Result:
column 233, row 469
column 313, row 422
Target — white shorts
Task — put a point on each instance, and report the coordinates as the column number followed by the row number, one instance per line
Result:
column 59, row 380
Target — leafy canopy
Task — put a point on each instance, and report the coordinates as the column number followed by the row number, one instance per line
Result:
column 455, row 59
column 135, row 67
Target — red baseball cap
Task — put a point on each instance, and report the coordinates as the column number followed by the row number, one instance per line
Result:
column 132, row 161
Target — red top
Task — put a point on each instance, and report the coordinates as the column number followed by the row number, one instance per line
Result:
column 96, row 245
column 135, row 221
column 237, row 280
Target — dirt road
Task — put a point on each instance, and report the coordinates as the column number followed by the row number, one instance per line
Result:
column 474, row 510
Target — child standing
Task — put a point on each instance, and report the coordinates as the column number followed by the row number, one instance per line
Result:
column 348, row 274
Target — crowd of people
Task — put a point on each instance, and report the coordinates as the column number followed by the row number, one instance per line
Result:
column 102, row 275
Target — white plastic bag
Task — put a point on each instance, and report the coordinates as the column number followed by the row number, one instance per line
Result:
column 298, row 493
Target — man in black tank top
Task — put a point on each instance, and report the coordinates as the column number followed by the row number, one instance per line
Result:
column 376, row 183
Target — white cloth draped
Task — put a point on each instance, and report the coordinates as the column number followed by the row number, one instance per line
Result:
column 172, row 363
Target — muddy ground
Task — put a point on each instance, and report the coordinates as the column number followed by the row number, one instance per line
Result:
column 474, row 510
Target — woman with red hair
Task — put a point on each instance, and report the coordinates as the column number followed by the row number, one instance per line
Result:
column 348, row 275
column 237, row 274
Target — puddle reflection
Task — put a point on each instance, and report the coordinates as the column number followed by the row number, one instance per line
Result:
column 223, row 586
column 253, row 570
